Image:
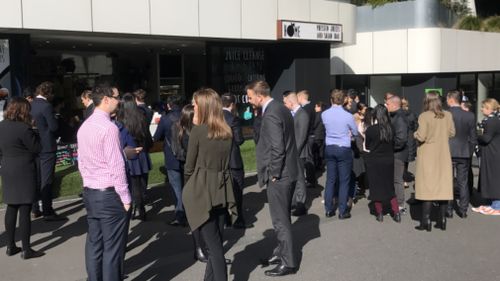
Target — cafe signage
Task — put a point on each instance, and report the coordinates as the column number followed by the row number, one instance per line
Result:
column 296, row 30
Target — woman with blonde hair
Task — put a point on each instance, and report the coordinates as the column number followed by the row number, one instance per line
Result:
column 434, row 178
column 208, row 192
column 489, row 143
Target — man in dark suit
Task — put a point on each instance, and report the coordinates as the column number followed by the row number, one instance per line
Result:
column 235, row 161
column 46, row 124
column 301, row 128
column 461, row 152
column 277, row 168
column 140, row 99
column 86, row 98
column 305, row 102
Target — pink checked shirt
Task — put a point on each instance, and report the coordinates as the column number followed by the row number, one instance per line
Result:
column 100, row 158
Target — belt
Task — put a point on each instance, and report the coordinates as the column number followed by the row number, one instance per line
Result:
column 110, row 188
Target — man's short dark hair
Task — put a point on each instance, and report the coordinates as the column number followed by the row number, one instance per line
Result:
column 86, row 94
column 99, row 92
column 228, row 99
column 337, row 97
column 175, row 100
column 44, row 89
column 455, row 95
column 140, row 95
column 260, row 87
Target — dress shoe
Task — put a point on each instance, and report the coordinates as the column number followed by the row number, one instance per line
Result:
column 344, row 216
column 280, row 270
column 396, row 217
column 12, row 250
column 380, row 218
column 242, row 225
column 330, row 214
column 54, row 217
column 30, row 254
column 461, row 214
column 200, row 255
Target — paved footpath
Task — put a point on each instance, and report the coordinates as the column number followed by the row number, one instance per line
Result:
column 356, row 249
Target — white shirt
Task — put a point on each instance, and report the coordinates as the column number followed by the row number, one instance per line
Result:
column 265, row 105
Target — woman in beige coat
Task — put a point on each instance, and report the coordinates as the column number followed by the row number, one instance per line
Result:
column 434, row 178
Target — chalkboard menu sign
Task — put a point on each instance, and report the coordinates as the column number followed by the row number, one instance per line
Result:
column 232, row 68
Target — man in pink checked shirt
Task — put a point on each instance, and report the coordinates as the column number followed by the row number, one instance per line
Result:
column 105, row 193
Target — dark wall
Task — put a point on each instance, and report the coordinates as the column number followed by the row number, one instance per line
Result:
column 20, row 53
column 414, row 85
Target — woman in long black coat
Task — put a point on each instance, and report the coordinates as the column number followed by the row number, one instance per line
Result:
column 380, row 163
column 19, row 146
column 489, row 142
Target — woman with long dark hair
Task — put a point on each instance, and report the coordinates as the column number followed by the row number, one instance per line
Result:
column 19, row 146
column 208, row 192
column 379, row 142
column 134, row 134
column 434, row 177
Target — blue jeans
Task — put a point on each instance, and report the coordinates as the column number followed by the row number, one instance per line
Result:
column 495, row 204
column 175, row 180
column 338, row 167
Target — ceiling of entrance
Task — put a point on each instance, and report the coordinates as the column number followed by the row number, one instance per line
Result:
column 112, row 42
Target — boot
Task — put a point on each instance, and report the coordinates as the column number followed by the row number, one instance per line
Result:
column 425, row 221
column 142, row 213
column 443, row 211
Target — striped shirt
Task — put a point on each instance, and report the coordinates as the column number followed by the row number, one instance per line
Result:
column 100, row 158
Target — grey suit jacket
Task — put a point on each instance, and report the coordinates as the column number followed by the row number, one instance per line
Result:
column 276, row 150
column 461, row 145
column 301, row 127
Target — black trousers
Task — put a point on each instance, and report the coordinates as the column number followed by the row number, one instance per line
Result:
column 461, row 168
column 238, row 176
column 24, row 224
column 300, row 191
column 107, row 234
column 279, row 195
column 46, row 163
column 212, row 232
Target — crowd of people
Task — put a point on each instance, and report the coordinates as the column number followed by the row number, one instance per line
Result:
column 362, row 148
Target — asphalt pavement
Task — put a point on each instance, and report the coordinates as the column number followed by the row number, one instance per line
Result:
column 358, row 249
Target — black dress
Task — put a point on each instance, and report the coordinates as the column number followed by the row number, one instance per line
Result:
column 19, row 146
column 489, row 142
column 379, row 165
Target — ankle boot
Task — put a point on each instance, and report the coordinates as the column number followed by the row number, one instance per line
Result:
column 441, row 223
column 142, row 213
column 425, row 221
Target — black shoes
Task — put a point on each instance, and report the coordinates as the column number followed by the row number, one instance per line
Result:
column 36, row 214
column 200, row 255
column 344, row 216
column 330, row 214
column 396, row 217
column 424, row 225
column 30, row 254
column 12, row 250
column 449, row 214
column 461, row 214
column 176, row 222
column 280, row 270
column 380, row 218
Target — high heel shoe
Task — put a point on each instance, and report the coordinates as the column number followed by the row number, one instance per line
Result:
column 12, row 250
column 200, row 255
column 443, row 213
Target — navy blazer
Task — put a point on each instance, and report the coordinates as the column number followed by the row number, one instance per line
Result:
column 461, row 145
column 235, row 161
column 164, row 133
column 46, row 123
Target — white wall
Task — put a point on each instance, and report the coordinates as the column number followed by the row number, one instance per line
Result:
column 11, row 14
column 419, row 50
column 57, row 15
column 233, row 19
